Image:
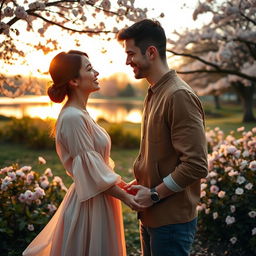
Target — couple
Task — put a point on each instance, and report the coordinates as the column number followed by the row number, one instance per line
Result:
column 168, row 169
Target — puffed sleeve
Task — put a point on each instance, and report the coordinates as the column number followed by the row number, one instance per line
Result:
column 91, row 174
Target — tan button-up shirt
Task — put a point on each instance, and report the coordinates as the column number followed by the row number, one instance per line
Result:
column 172, row 143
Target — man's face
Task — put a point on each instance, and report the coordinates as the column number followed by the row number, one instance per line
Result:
column 136, row 59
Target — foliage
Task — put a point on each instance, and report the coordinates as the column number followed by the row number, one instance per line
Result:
column 227, row 211
column 33, row 132
column 28, row 201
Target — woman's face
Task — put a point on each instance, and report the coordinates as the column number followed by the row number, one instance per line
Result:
column 88, row 81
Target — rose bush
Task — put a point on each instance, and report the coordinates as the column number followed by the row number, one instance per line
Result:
column 227, row 211
column 27, row 202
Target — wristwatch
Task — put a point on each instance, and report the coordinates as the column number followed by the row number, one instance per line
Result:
column 154, row 195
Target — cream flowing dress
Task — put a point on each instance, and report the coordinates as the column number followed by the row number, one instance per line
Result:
column 88, row 222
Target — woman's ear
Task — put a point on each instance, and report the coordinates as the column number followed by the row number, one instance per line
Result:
column 73, row 83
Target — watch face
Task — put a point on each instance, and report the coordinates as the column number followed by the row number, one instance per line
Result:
column 154, row 197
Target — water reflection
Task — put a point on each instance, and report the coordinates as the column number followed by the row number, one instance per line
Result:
column 40, row 106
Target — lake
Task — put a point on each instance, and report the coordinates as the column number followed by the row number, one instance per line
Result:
column 40, row 106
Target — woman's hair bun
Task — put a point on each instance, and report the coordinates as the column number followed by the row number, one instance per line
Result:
column 57, row 93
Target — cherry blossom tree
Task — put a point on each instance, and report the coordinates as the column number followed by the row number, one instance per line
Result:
column 230, row 34
column 90, row 17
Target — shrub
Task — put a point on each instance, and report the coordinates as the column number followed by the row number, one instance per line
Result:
column 227, row 211
column 27, row 202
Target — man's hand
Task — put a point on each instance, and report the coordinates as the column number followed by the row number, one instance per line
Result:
column 143, row 196
column 130, row 201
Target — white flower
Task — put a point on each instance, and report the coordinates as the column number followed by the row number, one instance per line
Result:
column 20, row 173
column 230, row 150
column 232, row 208
column 212, row 174
column 230, row 220
column 213, row 181
column 30, row 177
column 233, row 240
column 240, row 180
column 237, row 154
column 252, row 165
column 7, row 181
column 41, row 160
column 239, row 191
column 253, row 231
column 22, row 198
column 221, row 194
column 246, row 153
column 252, row 214
column 31, row 227
column 215, row 215
column 29, row 195
column 243, row 164
column 51, row 207
column 48, row 172
column 57, row 179
column 248, row 186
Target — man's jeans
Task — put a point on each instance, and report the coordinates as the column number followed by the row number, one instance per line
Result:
column 169, row 240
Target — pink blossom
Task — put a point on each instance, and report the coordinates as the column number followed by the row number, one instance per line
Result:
column 207, row 211
column 252, row 165
column 232, row 173
column 41, row 160
column 48, row 172
column 8, row 12
column 246, row 153
column 25, row 168
column 240, row 129
column 29, row 195
column 20, row 173
column 214, row 189
column 57, row 179
column 20, row 12
column 51, row 207
column 203, row 194
column 44, row 184
column 254, row 130
column 12, row 175
column 203, row 186
column 221, row 194
column 39, row 192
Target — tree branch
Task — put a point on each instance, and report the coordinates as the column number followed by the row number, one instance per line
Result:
column 247, row 18
column 223, row 71
column 70, row 29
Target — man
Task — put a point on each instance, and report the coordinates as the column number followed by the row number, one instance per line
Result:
column 173, row 151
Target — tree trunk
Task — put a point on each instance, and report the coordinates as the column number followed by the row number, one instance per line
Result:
column 217, row 101
column 246, row 94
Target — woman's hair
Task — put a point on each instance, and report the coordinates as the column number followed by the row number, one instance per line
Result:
column 63, row 68
column 146, row 33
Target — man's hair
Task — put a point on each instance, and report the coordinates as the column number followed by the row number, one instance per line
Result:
column 146, row 33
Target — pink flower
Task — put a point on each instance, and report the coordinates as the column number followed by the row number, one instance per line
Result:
column 20, row 173
column 48, row 172
column 41, row 160
column 214, row 189
column 39, row 192
column 240, row 129
column 203, row 194
column 12, row 175
column 221, row 194
column 252, row 165
column 25, row 168
column 44, row 184
column 29, row 195
column 232, row 173
column 52, row 208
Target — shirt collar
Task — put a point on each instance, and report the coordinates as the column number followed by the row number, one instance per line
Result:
column 162, row 81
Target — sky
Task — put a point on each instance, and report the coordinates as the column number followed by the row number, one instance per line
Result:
column 177, row 17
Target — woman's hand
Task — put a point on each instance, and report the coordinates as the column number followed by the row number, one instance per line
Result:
column 128, row 188
column 129, row 200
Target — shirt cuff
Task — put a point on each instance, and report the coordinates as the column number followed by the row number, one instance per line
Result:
column 171, row 184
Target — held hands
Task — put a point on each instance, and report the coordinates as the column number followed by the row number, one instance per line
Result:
column 143, row 195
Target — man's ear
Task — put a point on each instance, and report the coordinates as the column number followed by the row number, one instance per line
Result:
column 73, row 82
column 152, row 52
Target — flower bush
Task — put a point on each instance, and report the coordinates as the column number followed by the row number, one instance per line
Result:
column 227, row 211
column 27, row 202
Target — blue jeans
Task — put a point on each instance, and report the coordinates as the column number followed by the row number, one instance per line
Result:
column 169, row 240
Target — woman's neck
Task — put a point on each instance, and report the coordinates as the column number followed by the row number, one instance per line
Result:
column 77, row 100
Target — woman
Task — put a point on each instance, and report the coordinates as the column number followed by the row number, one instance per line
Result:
column 89, row 220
